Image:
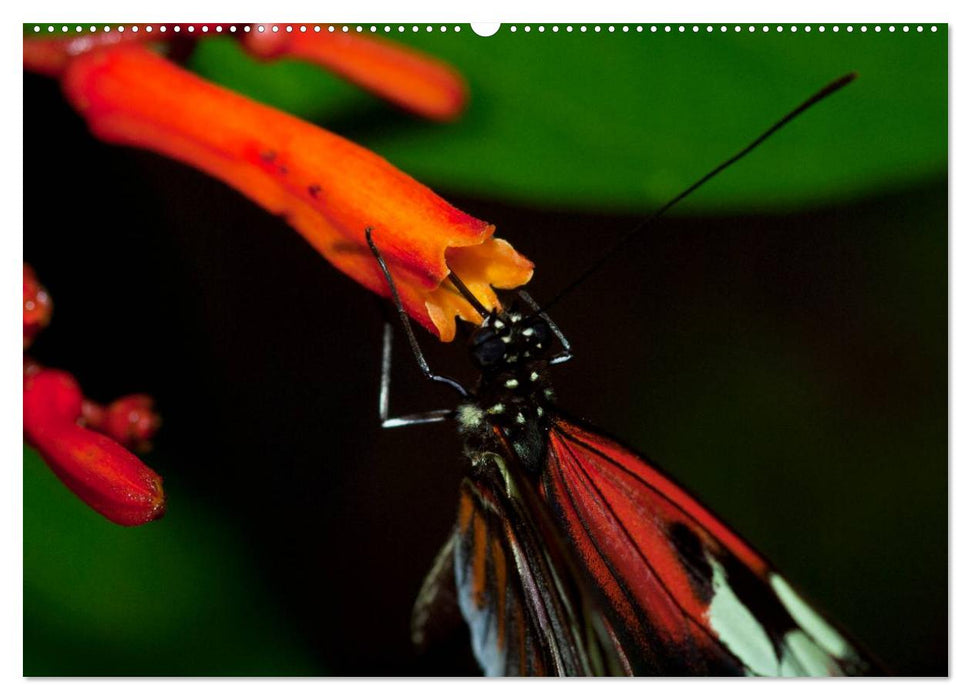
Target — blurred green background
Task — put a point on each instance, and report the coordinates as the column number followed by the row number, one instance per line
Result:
column 779, row 342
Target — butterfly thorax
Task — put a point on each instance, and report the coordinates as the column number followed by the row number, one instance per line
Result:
column 513, row 400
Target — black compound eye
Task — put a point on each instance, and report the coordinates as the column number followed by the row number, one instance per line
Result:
column 487, row 348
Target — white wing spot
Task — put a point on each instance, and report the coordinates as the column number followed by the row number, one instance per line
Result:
column 533, row 376
column 527, row 332
column 817, row 628
column 737, row 627
column 520, row 418
column 512, row 383
column 498, row 408
column 802, row 657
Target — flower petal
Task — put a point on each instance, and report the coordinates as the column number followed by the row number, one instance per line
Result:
column 102, row 473
column 327, row 188
column 409, row 78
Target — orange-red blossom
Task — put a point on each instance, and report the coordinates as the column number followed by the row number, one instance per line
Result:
column 99, row 470
column 85, row 444
column 329, row 189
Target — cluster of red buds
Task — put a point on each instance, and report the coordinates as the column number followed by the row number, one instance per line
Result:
column 329, row 190
column 85, row 444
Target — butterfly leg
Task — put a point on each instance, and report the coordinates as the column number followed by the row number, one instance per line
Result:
column 384, row 397
column 383, row 400
column 567, row 353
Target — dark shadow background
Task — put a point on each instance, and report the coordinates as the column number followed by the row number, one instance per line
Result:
column 790, row 369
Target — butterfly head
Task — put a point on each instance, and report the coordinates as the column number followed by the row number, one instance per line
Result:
column 510, row 339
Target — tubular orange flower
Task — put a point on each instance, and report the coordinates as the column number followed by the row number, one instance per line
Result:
column 102, row 473
column 411, row 79
column 326, row 187
column 408, row 78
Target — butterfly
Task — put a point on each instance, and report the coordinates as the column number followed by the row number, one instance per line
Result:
column 573, row 554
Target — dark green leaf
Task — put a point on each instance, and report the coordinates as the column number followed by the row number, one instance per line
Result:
column 622, row 121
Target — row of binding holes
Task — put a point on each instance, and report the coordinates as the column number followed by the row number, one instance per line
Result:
column 709, row 28
column 388, row 29
column 232, row 28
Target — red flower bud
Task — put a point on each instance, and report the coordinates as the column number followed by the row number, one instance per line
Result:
column 97, row 469
column 132, row 421
column 37, row 306
column 92, row 415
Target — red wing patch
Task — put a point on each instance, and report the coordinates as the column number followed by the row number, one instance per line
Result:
column 687, row 595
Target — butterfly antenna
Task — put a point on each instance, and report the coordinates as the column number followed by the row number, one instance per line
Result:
column 623, row 240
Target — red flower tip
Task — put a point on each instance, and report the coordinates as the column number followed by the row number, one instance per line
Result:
column 97, row 469
column 37, row 306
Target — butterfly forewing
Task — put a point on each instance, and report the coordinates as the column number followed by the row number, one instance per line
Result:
column 688, row 596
